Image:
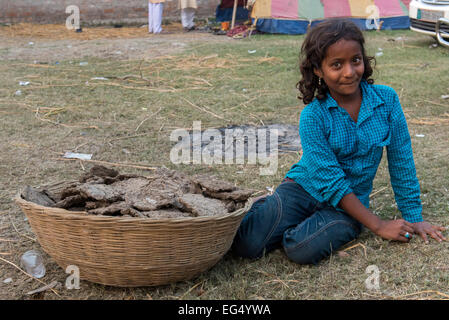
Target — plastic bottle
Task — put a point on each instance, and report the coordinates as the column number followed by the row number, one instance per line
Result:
column 33, row 263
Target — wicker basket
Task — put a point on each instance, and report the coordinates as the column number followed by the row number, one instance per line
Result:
column 131, row 252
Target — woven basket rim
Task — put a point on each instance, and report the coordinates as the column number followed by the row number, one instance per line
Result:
column 85, row 215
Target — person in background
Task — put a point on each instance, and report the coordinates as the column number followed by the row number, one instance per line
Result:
column 155, row 9
column 188, row 9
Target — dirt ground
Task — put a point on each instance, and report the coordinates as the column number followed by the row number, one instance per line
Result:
column 55, row 43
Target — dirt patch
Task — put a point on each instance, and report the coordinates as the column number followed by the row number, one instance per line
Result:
column 165, row 194
column 54, row 43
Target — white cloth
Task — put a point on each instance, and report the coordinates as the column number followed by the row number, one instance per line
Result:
column 183, row 4
column 155, row 17
column 187, row 16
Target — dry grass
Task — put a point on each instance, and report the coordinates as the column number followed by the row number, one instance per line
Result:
column 128, row 119
column 60, row 32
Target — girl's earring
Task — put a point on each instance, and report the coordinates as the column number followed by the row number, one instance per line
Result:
column 320, row 82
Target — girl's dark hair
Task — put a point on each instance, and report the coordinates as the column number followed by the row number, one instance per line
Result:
column 313, row 52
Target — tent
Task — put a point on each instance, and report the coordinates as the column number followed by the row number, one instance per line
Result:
column 294, row 16
column 225, row 9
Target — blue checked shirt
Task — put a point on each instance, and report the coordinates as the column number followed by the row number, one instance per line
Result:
column 341, row 156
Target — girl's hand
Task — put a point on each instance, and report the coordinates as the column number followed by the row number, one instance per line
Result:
column 424, row 228
column 395, row 230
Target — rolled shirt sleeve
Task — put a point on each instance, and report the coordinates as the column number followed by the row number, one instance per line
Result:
column 327, row 180
column 402, row 167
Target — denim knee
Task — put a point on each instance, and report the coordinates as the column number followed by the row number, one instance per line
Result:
column 245, row 246
column 250, row 241
column 320, row 244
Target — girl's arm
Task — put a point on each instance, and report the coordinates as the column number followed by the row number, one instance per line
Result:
column 401, row 165
column 390, row 229
column 329, row 183
column 403, row 175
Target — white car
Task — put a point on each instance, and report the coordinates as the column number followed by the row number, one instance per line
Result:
column 431, row 17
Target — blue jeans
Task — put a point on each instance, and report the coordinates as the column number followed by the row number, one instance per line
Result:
column 307, row 229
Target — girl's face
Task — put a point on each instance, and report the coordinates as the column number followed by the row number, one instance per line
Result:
column 342, row 69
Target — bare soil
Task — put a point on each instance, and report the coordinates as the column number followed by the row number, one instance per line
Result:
column 53, row 44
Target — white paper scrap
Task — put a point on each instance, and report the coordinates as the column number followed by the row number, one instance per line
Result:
column 81, row 156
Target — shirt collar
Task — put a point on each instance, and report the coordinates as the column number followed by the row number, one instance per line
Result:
column 370, row 100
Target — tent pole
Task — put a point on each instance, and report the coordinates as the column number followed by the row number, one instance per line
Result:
column 233, row 14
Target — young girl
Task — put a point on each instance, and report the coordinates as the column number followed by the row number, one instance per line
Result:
column 323, row 201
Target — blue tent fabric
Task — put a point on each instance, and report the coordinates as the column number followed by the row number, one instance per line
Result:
column 300, row 26
column 225, row 14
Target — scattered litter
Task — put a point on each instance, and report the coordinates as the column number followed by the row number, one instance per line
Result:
column 433, row 45
column 149, row 200
column 244, row 90
column 118, row 52
column 18, row 93
column 8, row 280
column 445, row 96
column 81, row 156
column 343, row 254
column 252, row 51
column 178, row 44
column 24, row 83
column 126, row 151
column 69, row 46
column 144, row 109
column 83, row 133
column 397, row 39
column 99, row 78
column 33, row 263
column 30, row 43
column 270, row 190
column 379, row 53
column 84, row 63
column 420, row 135
column 57, row 62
